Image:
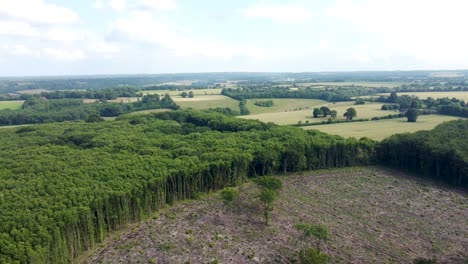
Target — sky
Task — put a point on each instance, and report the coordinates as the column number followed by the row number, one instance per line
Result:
column 52, row 37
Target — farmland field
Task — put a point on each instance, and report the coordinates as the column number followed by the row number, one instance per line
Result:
column 381, row 129
column 282, row 105
column 206, row 101
column 12, row 105
column 293, row 117
column 374, row 215
column 124, row 100
column 177, row 93
column 149, row 111
column 435, row 95
column 364, row 84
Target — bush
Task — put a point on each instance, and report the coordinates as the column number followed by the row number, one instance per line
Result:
column 313, row 256
column 425, row 261
column 229, row 195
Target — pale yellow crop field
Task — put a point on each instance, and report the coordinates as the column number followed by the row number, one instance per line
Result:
column 206, row 101
column 381, row 129
column 282, row 105
column 293, row 117
column 216, row 91
column 435, row 95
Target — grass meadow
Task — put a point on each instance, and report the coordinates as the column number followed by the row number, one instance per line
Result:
column 381, row 129
column 435, row 95
column 12, row 105
column 283, row 105
column 293, row 117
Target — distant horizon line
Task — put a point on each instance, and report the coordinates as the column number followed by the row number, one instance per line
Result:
column 224, row 72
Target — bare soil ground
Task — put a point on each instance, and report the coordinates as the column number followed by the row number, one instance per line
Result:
column 374, row 215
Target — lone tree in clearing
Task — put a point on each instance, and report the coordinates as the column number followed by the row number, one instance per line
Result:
column 333, row 114
column 184, row 94
column 313, row 235
column 269, row 188
column 190, row 94
column 350, row 113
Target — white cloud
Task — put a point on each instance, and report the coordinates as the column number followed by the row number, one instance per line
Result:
column 65, row 35
column 142, row 27
column 20, row 50
column 129, row 5
column 63, row 54
column 37, row 11
column 118, row 5
column 428, row 30
column 278, row 12
column 99, row 4
column 17, row 28
column 103, row 48
column 163, row 5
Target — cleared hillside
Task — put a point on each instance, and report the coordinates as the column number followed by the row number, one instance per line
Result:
column 374, row 215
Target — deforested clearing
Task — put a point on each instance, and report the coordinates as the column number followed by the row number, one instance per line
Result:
column 373, row 214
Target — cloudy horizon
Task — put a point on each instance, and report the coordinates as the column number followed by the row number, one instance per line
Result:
column 51, row 37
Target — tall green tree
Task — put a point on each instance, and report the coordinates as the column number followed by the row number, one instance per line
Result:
column 325, row 111
column 317, row 112
column 412, row 114
column 350, row 113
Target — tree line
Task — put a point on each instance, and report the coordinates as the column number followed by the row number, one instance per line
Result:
column 441, row 153
column 37, row 110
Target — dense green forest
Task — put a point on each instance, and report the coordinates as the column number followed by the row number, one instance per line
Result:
column 65, row 186
column 37, row 110
column 445, row 106
column 331, row 94
column 441, row 153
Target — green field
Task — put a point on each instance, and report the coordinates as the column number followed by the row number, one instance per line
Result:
column 435, row 95
column 283, row 105
column 12, row 105
column 206, row 102
column 293, row 117
column 381, row 129
column 374, row 215
column 196, row 92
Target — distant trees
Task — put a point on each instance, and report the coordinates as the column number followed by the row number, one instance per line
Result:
column 350, row 113
column 412, row 114
column 317, row 112
column 268, row 103
column 390, row 107
column 325, row 111
column 393, row 98
column 184, row 94
column 191, row 94
column 243, row 108
column 359, row 101
column 333, row 114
